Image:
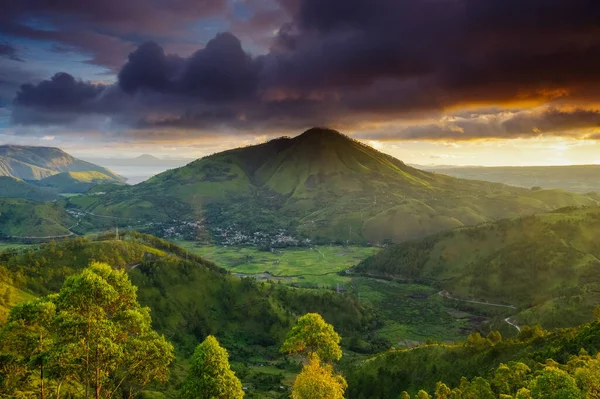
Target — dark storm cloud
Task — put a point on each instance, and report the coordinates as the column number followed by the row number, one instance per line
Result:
column 352, row 61
column 9, row 51
column 104, row 29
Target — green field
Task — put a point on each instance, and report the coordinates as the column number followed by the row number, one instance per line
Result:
column 411, row 313
column 4, row 246
column 304, row 266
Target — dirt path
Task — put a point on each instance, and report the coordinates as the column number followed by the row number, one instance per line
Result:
column 444, row 294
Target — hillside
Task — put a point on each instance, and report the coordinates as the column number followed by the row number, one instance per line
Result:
column 35, row 163
column 190, row 298
column 11, row 187
column 20, row 218
column 76, row 182
column 320, row 185
column 385, row 375
column 574, row 178
column 545, row 265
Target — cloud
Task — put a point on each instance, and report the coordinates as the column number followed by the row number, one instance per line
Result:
column 104, row 30
column 542, row 121
column 356, row 63
column 9, row 51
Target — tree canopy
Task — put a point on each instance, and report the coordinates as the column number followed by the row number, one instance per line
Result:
column 210, row 376
column 93, row 337
column 312, row 335
column 318, row 381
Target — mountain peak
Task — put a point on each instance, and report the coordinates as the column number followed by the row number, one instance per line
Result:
column 146, row 157
column 322, row 133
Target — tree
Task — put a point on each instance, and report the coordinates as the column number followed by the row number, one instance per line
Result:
column 404, row 395
column 523, row 393
column 479, row 388
column 553, row 383
column 312, row 335
column 422, row 395
column 318, row 381
column 495, row 337
column 441, row 391
column 508, row 378
column 210, row 376
column 99, row 338
column 6, row 297
column 28, row 337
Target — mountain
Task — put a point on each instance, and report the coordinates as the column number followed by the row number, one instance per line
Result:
column 11, row 187
column 142, row 160
column 575, row 178
column 35, row 163
column 25, row 219
column 76, row 182
column 320, row 185
column 547, row 266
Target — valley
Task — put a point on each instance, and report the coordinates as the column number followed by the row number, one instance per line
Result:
column 412, row 268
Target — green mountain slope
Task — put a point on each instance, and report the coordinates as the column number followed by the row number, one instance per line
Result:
column 547, row 266
column 29, row 219
column 320, row 185
column 11, row 187
column 190, row 298
column 385, row 375
column 35, row 163
column 76, row 182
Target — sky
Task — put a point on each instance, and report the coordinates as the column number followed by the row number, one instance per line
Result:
column 453, row 82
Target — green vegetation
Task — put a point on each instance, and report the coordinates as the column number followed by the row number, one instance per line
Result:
column 483, row 368
column 35, row 163
column 320, row 185
column 546, row 266
column 210, row 375
column 302, row 266
column 92, row 338
column 191, row 298
column 11, row 187
column 314, row 341
column 27, row 219
column 77, row 182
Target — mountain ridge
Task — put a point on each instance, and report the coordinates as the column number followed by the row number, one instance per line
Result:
column 324, row 186
column 38, row 162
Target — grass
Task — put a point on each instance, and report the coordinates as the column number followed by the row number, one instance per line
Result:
column 306, row 266
column 406, row 313
column 412, row 313
column 545, row 265
column 5, row 246
column 15, row 296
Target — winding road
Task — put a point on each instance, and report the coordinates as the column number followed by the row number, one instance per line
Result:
column 446, row 295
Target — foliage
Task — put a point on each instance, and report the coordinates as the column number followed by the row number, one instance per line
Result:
column 318, row 381
column 312, row 335
column 210, row 375
column 545, row 266
column 92, row 336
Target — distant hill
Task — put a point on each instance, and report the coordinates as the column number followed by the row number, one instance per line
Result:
column 142, row 160
column 11, row 187
column 546, row 265
column 76, row 182
column 35, row 163
column 20, row 218
column 320, row 185
column 574, row 178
